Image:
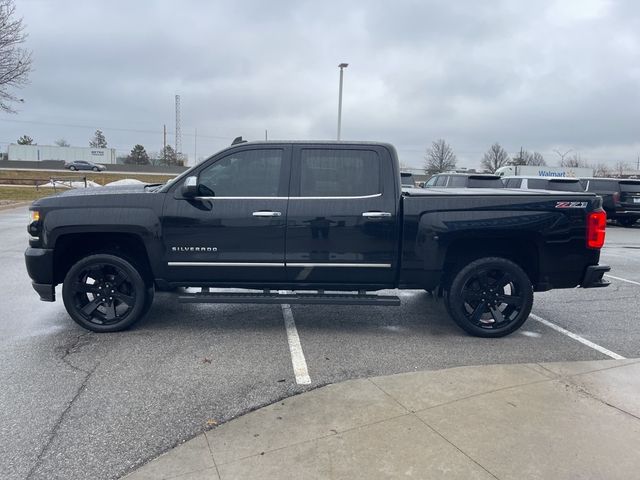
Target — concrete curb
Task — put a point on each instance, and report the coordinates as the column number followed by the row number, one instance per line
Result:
column 553, row 420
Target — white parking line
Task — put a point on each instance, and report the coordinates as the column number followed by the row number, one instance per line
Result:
column 622, row 279
column 297, row 356
column 580, row 339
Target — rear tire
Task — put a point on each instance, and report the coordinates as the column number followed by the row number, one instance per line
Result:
column 106, row 293
column 72, row 168
column 490, row 297
column 627, row 222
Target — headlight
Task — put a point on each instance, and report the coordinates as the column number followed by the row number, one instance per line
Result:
column 34, row 216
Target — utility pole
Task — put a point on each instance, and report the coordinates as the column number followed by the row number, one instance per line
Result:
column 178, row 129
column 265, row 135
column 164, row 143
column 195, row 147
column 342, row 66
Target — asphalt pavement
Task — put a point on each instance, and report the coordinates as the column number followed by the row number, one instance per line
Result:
column 82, row 405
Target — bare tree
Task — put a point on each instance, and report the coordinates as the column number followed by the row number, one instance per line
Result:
column 439, row 158
column 562, row 154
column 15, row 61
column 620, row 168
column 602, row 170
column 61, row 142
column 495, row 158
column 536, row 159
column 574, row 161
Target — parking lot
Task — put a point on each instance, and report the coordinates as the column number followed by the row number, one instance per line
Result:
column 82, row 405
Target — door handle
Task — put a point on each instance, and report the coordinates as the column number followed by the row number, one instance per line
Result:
column 265, row 213
column 376, row 214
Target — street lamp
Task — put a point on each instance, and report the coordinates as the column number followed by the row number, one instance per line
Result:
column 342, row 66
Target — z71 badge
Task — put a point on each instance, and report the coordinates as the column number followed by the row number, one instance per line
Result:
column 571, row 204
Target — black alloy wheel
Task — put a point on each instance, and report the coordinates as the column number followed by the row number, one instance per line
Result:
column 490, row 297
column 105, row 293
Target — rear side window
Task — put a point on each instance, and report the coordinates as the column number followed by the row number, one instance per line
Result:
column 632, row 187
column 339, row 173
column 457, row 181
column 565, row 186
column 537, row 183
column 603, row 186
column 485, row 183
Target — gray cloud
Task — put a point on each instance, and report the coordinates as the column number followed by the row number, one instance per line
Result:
column 540, row 75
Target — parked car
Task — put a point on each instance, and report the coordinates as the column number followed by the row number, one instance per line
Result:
column 311, row 217
column 620, row 197
column 464, row 180
column 407, row 180
column 544, row 183
column 84, row 165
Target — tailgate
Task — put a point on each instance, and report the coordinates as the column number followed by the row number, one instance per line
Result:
column 630, row 194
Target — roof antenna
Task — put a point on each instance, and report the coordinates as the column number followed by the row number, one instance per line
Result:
column 238, row 140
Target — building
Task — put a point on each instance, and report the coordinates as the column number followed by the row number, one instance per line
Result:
column 39, row 153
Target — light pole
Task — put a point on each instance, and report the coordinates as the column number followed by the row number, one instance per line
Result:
column 342, row 66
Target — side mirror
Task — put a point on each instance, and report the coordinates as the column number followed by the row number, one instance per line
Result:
column 190, row 187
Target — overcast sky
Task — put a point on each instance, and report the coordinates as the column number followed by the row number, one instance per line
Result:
column 540, row 74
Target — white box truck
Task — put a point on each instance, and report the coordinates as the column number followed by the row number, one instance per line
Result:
column 544, row 171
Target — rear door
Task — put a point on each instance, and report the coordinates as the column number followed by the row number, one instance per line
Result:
column 342, row 223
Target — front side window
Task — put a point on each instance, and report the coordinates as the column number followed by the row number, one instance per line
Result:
column 248, row 173
column 431, row 182
column 457, row 181
column 441, row 181
column 339, row 173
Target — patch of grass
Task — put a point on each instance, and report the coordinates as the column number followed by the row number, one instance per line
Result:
column 26, row 177
column 24, row 194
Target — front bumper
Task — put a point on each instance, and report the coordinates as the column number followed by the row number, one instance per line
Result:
column 39, row 263
column 593, row 276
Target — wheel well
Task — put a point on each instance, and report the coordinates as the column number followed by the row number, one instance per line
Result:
column 72, row 247
column 521, row 251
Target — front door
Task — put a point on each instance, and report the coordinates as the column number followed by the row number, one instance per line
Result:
column 342, row 218
column 234, row 230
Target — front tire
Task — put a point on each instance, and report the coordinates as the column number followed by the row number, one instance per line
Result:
column 490, row 297
column 72, row 168
column 106, row 293
column 95, row 169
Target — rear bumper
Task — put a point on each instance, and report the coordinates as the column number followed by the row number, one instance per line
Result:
column 625, row 212
column 39, row 263
column 593, row 276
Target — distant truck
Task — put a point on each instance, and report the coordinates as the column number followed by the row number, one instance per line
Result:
column 544, row 171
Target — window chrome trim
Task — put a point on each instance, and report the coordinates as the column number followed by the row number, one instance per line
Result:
column 224, row 264
column 338, row 265
column 375, row 195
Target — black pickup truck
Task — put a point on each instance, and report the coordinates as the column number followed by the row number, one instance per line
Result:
column 314, row 223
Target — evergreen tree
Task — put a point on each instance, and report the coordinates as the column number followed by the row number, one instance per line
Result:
column 138, row 156
column 25, row 140
column 98, row 140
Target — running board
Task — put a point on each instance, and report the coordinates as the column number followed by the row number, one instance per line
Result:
column 292, row 298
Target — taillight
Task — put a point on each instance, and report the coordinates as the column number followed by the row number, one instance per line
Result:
column 596, row 225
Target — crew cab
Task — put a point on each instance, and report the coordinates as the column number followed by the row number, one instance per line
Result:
column 314, row 223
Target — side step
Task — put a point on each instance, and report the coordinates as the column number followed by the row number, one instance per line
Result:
column 270, row 297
